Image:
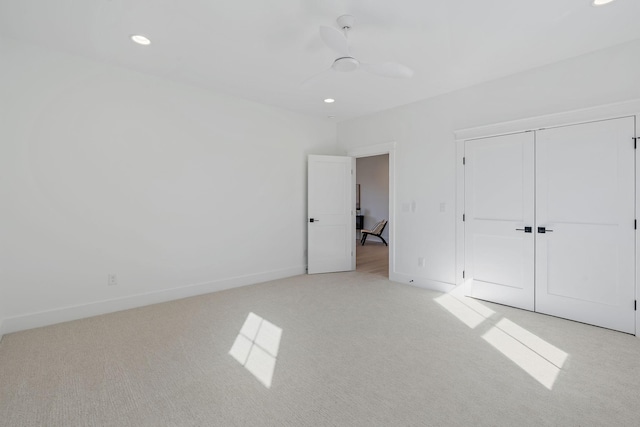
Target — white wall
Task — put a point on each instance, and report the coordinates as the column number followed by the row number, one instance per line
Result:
column 165, row 185
column 2, row 310
column 372, row 173
column 426, row 160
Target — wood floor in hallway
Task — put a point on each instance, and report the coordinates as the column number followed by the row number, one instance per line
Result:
column 372, row 258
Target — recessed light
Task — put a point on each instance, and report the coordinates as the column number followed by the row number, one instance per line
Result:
column 331, row 117
column 329, row 100
column 140, row 39
column 601, row 2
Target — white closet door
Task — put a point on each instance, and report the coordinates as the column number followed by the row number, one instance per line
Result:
column 499, row 254
column 585, row 199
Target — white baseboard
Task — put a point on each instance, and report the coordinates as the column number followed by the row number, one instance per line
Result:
column 420, row 282
column 65, row 314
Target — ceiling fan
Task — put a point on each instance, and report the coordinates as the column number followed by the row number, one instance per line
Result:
column 337, row 40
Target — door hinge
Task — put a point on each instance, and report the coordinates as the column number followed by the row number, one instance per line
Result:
column 464, row 160
column 464, row 217
column 463, row 274
column 635, row 224
column 635, row 143
column 635, row 305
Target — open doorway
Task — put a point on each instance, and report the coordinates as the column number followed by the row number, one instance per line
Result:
column 372, row 180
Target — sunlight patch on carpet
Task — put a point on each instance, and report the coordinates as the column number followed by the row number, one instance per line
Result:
column 529, row 361
column 538, row 358
column 256, row 347
column 463, row 312
column 548, row 351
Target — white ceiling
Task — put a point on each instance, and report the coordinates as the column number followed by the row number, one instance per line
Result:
column 263, row 50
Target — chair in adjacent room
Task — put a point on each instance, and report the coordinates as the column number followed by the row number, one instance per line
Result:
column 375, row 231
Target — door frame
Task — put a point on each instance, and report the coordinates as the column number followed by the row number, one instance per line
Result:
column 377, row 150
column 572, row 117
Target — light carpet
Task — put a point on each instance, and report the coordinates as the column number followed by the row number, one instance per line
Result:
column 346, row 349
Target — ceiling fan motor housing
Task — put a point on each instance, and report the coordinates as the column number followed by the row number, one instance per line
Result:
column 346, row 21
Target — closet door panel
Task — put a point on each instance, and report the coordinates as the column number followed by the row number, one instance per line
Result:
column 585, row 200
column 499, row 258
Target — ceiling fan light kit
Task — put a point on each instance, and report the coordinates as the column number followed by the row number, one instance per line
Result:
column 345, row 64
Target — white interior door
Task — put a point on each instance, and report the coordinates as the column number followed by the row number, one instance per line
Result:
column 585, row 200
column 331, row 223
column 499, row 208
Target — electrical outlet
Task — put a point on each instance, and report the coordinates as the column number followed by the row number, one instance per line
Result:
column 112, row 280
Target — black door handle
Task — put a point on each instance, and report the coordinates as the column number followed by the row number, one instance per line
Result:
column 543, row 230
column 526, row 229
column 313, row 220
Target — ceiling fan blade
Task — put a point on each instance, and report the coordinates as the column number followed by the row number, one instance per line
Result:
column 335, row 40
column 314, row 77
column 389, row 69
